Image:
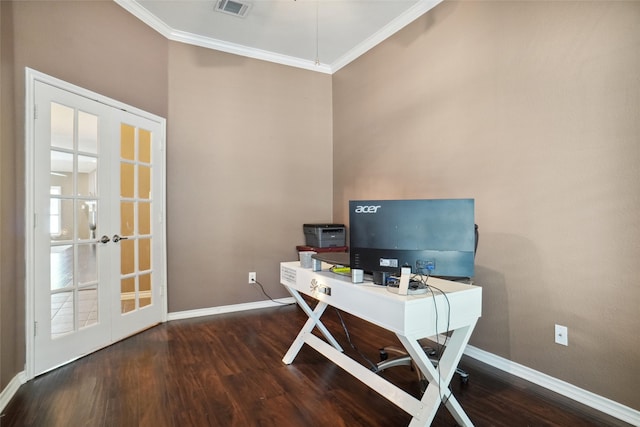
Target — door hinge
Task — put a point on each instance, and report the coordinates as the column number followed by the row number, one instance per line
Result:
column 35, row 329
column 35, row 111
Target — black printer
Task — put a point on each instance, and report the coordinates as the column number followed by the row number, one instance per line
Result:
column 324, row 235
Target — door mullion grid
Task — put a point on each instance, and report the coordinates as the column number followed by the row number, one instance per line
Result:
column 75, row 221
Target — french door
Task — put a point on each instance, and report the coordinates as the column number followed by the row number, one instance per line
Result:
column 95, row 256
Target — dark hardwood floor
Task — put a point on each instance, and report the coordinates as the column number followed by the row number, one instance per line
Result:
column 226, row 370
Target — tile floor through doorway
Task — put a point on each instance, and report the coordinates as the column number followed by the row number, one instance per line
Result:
column 62, row 309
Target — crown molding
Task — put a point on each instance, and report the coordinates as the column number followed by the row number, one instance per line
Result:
column 394, row 26
column 145, row 16
column 413, row 13
column 249, row 52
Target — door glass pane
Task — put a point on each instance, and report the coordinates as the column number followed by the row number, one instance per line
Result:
column 87, row 215
column 144, row 254
column 87, row 132
column 127, row 294
column 87, row 307
column 62, row 126
column 61, row 266
column 127, row 256
column 88, row 218
column 55, row 211
column 127, row 218
column 126, row 180
column 61, row 219
column 127, row 141
column 144, row 142
column 87, row 266
column 62, row 172
column 144, row 218
column 145, row 290
column 144, row 182
column 62, row 317
column 87, row 182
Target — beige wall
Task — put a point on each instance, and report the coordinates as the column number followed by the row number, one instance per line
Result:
column 531, row 108
column 6, row 335
column 11, row 336
column 249, row 161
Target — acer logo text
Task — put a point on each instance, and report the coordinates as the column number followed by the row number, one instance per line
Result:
column 367, row 209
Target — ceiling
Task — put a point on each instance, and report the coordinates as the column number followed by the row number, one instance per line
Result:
column 318, row 35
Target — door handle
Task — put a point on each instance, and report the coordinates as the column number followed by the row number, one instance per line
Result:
column 104, row 239
column 117, row 238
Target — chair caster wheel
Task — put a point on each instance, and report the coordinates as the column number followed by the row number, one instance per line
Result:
column 383, row 355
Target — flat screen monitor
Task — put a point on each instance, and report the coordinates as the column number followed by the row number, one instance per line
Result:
column 434, row 237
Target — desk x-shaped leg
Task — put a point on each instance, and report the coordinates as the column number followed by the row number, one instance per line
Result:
column 313, row 321
column 424, row 410
column 439, row 377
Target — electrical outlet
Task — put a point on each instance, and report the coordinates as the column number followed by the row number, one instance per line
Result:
column 252, row 277
column 562, row 335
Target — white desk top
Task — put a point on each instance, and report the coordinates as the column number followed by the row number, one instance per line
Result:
column 416, row 316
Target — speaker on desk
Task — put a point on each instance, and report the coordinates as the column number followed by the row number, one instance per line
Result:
column 357, row 275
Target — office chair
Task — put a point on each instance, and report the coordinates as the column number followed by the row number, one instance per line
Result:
column 402, row 358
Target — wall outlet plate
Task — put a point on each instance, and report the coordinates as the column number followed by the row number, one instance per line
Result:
column 562, row 335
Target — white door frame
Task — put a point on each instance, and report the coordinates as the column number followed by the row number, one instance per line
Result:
column 31, row 76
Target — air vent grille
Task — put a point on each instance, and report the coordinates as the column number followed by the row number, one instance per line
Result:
column 232, row 7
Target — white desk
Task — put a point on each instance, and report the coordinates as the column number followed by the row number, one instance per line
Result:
column 410, row 317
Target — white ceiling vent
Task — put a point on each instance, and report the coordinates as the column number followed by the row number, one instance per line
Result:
column 232, row 7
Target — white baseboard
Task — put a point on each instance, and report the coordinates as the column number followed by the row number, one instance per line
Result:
column 10, row 390
column 585, row 397
column 188, row 314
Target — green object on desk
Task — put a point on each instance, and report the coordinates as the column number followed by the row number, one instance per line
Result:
column 341, row 270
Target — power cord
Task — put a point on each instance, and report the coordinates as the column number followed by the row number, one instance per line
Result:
column 444, row 398
column 374, row 367
column 268, row 296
